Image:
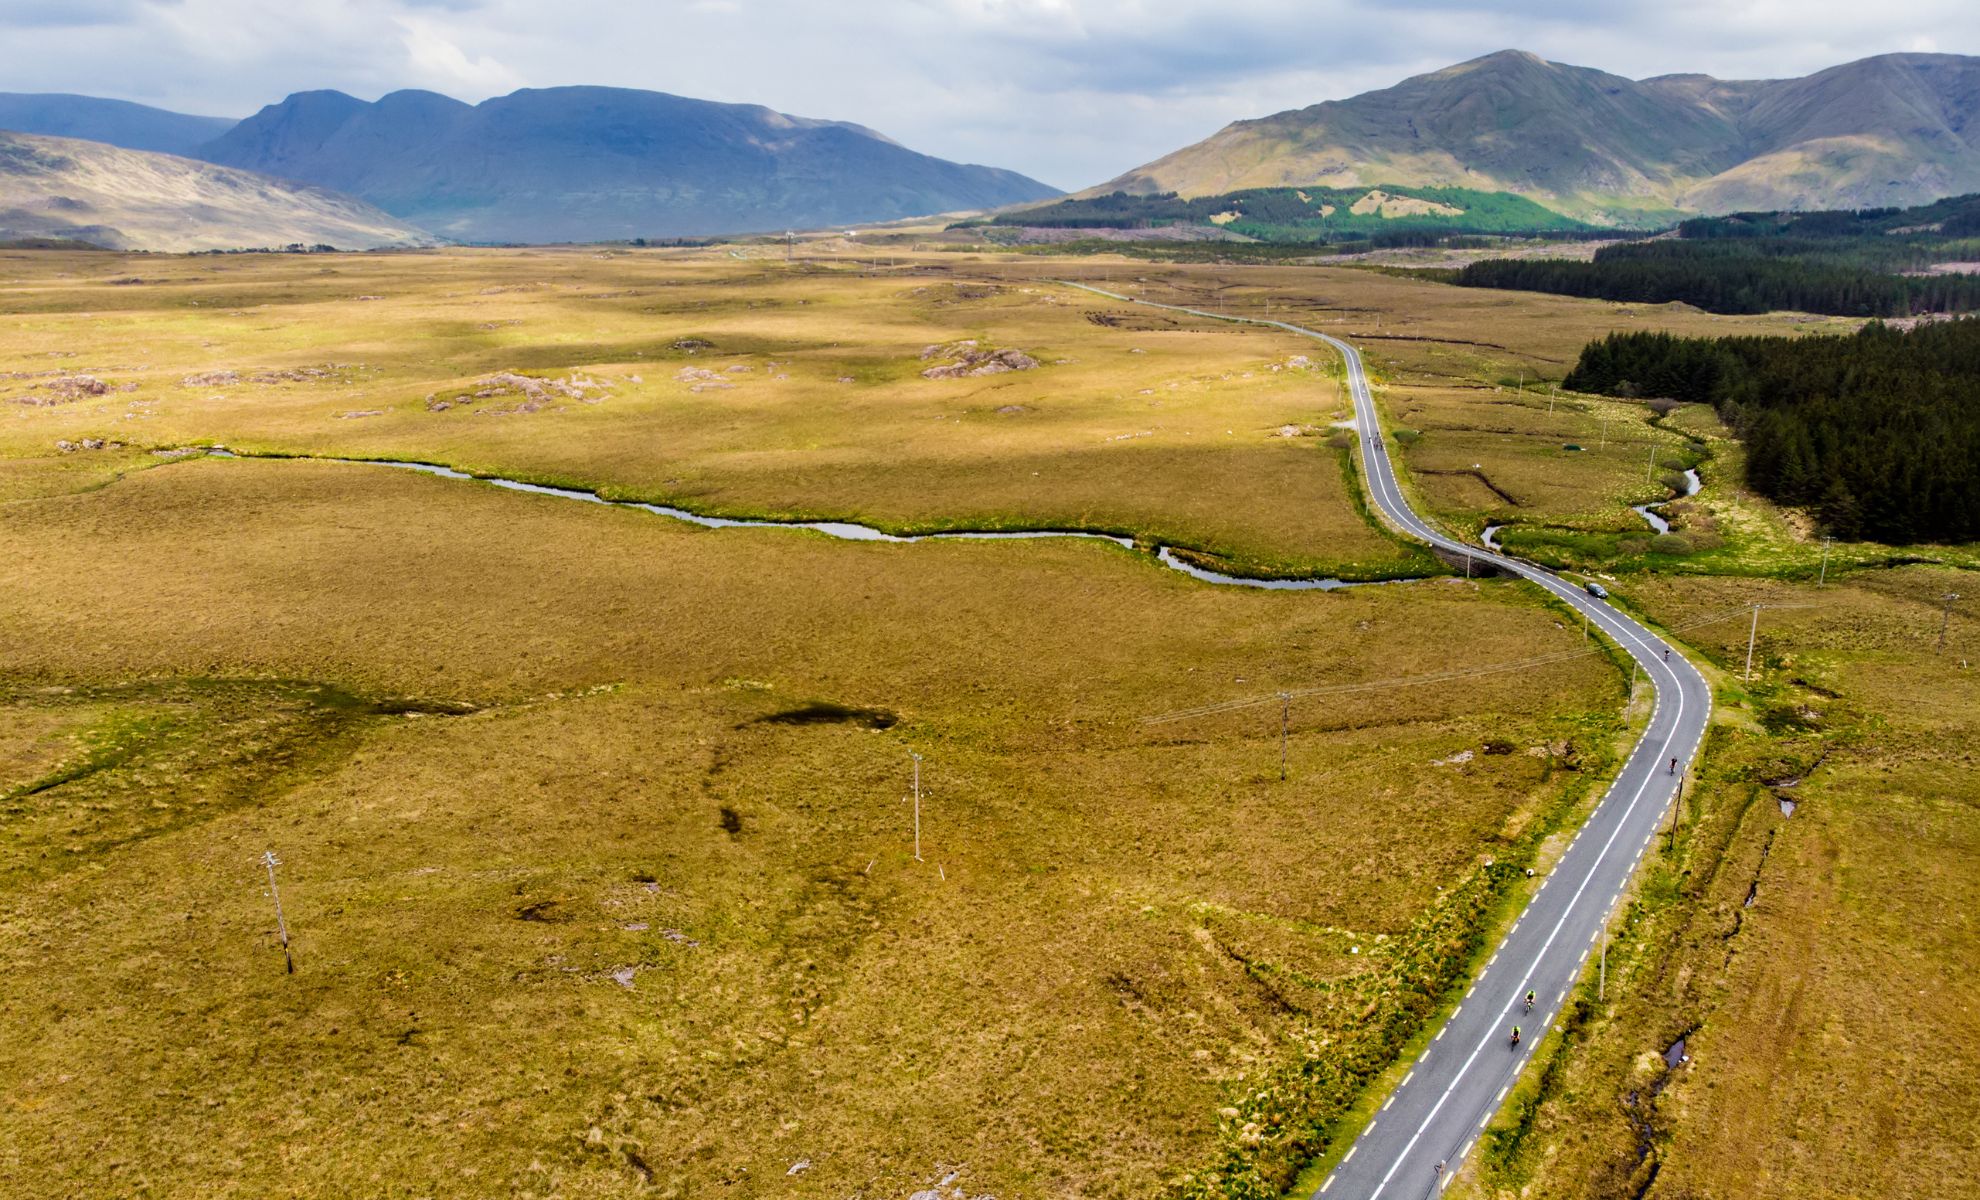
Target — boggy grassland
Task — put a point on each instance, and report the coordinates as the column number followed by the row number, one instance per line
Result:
column 596, row 855
column 645, row 909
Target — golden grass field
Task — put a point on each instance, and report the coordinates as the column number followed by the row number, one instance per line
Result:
column 727, row 386
column 1054, row 999
column 595, row 849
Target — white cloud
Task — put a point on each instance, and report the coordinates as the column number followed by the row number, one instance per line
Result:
column 434, row 58
column 1071, row 91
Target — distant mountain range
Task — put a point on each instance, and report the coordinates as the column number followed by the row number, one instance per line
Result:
column 589, row 163
column 136, row 200
column 1466, row 145
column 1895, row 130
column 555, row 164
column 118, row 122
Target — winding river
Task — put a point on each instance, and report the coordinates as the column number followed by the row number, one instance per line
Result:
column 846, row 530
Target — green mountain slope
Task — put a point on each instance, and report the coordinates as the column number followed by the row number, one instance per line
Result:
column 1304, row 214
column 1898, row 129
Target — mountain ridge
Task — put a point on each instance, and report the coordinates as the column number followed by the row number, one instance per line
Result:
column 595, row 163
column 116, row 122
column 1886, row 130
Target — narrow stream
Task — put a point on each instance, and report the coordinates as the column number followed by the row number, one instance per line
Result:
column 845, row 530
column 1649, row 511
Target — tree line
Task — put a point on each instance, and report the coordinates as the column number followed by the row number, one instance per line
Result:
column 1878, row 432
column 1746, row 275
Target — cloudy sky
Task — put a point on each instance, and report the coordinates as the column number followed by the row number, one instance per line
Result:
column 1070, row 91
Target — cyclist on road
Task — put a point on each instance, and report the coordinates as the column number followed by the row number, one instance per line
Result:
column 1515, row 1035
column 1529, row 1002
column 1674, row 766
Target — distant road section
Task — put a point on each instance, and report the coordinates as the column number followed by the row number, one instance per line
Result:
column 1416, row 1142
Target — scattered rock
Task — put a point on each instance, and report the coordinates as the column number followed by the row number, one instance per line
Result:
column 362, row 412
column 1012, row 410
column 1462, row 756
column 624, row 977
column 68, row 447
column 212, row 379
column 967, row 358
column 533, row 393
column 66, row 389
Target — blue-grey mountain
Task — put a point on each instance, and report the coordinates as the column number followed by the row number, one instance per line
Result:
column 118, row 122
column 591, row 163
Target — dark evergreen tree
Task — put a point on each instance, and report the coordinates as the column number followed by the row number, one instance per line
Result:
column 1878, row 432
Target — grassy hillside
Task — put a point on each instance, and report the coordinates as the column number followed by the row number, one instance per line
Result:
column 133, row 200
column 1315, row 214
column 1599, row 147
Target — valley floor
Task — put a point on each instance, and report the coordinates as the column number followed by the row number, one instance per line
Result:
column 598, row 852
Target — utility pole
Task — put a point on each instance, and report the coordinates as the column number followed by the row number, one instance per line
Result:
column 1285, row 730
column 1946, row 619
column 1550, row 399
column 1750, row 635
column 1824, row 577
column 917, row 804
column 1677, row 814
column 1652, row 472
column 1602, row 984
column 269, row 860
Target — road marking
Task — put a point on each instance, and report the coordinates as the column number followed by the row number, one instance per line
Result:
column 1350, row 1153
column 1330, row 1179
column 1407, row 1078
column 1385, row 1107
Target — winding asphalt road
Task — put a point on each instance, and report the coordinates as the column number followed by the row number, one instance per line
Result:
column 1415, row 1144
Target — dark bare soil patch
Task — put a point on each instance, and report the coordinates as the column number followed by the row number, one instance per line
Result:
column 825, row 712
